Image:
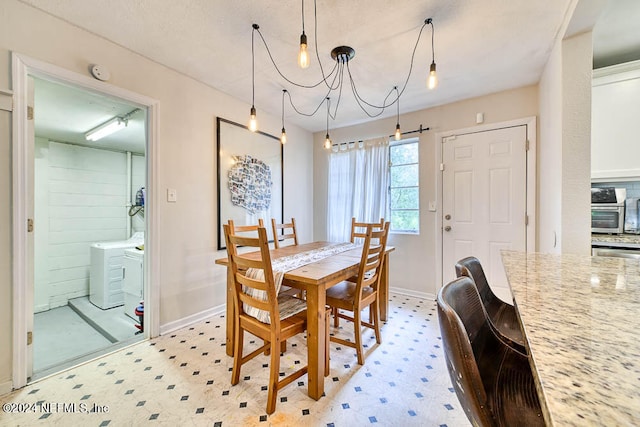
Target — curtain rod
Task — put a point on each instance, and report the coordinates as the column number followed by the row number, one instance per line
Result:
column 419, row 130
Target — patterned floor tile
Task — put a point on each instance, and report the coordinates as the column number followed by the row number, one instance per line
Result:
column 183, row 378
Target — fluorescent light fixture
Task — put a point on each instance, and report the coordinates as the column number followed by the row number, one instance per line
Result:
column 107, row 128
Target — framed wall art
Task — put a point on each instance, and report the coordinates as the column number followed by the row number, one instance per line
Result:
column 250, row 170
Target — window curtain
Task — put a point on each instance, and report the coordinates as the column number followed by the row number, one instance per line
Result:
column 358, row 185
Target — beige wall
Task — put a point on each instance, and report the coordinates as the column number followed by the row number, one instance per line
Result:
column 189, row 283
column 565, row 151
column 576, row 143
column 413, row 265
column 550, row 155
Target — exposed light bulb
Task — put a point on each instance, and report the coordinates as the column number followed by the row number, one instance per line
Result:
column 283, row 137
column 327, row 142
column 253, row 122
column 303, row 56
column 432, row 80
column 398, row 134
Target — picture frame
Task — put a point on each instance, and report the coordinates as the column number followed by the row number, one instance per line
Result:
column 250, row 169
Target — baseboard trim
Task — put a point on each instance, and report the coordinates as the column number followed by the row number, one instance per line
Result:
column 410, row 293
column 6, row 388
column 190, row 320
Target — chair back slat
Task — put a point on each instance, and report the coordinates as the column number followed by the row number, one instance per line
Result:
column 282, row 232
column 359, row 229
column 245, row 228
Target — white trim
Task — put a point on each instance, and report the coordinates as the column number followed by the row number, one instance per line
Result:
column 531, row 127
column 194, row 318
column 22, row 67
column 19, row 226
column 615, row 175
column 618, row 72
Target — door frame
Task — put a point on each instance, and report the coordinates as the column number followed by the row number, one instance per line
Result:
column 22, row 67
column 531, row 178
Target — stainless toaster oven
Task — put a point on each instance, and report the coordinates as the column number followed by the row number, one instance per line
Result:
column 607, row 210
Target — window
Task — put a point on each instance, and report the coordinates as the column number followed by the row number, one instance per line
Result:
column 404, row 202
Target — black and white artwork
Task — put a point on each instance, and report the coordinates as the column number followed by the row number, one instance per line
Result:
column 250, row 184
column 249, row 176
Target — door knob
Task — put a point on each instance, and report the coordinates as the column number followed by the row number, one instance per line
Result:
column 447, row 216
column 447, row 228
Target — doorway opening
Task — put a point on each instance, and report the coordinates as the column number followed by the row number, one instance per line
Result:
column 70, row 197
column 88, row 226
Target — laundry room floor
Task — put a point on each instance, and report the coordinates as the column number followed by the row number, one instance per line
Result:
column 72, row 334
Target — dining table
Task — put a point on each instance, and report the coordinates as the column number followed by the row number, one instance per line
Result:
column 580, row 316
column 314, row 279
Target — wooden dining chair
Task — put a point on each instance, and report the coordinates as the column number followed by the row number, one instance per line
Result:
column 354, row 297
column 502, row 316
column 358, row 229
column 493, row 382
column 282, row 232
column 260, row 311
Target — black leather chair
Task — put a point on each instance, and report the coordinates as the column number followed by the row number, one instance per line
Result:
column 493, row 382
column 503, row 316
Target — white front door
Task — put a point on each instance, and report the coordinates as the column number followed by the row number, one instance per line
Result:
column 484, row 204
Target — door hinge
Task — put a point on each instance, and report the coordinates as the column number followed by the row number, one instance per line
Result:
column 441, row 166
column 526, row 219
column 29, row 337
column 29, row 225
column 526, row 145
column 29, row 112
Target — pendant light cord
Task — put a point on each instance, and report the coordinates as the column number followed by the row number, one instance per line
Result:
column 284, row 92
column 253, row 66
column 302, row 16
column 337, row 75
column 433, row 51
column 398, row 105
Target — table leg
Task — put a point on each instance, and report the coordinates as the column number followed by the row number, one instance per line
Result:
column 230, row 313
column 316, row 298
column 383, row 292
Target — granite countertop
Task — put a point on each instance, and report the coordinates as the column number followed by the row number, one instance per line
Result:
column 581, row 319
column 616, row 240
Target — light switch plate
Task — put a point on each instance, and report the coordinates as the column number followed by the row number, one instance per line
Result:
column 172, row 195
column 432, row 206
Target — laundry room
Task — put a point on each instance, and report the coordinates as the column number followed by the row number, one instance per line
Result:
column 88, row 223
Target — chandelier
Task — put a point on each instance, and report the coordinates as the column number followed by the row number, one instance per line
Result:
column 334, row 80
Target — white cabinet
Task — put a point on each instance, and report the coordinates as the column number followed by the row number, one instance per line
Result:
column 615, row 123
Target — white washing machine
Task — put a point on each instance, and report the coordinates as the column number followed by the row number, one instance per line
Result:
column 105, row 277
column 133, row 283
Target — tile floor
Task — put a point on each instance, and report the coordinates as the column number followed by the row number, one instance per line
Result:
column 183, row 379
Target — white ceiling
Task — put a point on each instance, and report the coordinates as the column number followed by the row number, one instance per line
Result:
column 66, row 114
column 481, row 47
